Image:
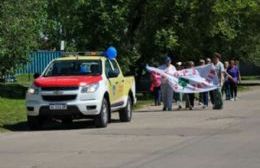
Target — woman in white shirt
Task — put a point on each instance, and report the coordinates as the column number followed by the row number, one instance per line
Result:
column 167, row 91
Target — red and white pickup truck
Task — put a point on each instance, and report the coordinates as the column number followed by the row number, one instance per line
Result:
column 80, row 86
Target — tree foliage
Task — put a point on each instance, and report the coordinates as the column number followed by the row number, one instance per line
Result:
column 143, row 31
column 20, row 26
column 202, row 27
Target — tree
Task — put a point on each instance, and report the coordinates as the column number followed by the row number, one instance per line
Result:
column 198, row 28
column 92, row 25
column 20, row 26
column 238, row 26
column 143, row 31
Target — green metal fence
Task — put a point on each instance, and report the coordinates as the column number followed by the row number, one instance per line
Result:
column 38, row 61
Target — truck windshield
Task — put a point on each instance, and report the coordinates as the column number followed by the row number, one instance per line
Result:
column 74, row 68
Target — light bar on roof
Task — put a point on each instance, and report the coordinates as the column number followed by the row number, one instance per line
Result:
column 110, row 53
column 84, row 53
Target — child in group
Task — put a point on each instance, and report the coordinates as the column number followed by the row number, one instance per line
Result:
column 155, row 88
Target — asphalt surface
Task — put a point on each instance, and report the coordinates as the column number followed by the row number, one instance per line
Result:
column 228, row 138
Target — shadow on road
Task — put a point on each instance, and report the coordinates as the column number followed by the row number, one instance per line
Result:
column 173, row 111
column 55, row 126
column 21, row 126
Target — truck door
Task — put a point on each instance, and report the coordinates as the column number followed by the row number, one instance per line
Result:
column 120, row 83
column 112, row 82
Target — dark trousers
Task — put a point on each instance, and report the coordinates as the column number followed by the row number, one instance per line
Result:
column 216, row 98
column 211, row 95
column 226, row 89
column 190, row 99
column 233, row 89
column 204, row 98
column 157, row 95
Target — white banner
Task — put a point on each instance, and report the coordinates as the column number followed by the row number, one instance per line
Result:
column 193, row 80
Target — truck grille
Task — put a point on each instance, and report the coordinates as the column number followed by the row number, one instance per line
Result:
column 59, row 98
column 59, row 88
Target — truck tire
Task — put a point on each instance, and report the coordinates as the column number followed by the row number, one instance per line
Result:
column 34, row 122
column 125, row 115
column 102, row 119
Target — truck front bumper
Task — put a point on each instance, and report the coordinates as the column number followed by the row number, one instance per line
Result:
column 42, row 108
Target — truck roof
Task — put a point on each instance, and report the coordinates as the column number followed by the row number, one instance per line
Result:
column 80, row 57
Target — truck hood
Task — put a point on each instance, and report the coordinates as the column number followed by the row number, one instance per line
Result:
column 66, row 81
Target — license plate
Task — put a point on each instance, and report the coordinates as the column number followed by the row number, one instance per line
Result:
column 58, row 107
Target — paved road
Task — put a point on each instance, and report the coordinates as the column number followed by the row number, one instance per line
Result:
column 187, row 139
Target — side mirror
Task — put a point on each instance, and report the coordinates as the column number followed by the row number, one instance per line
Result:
column 113, row 74
column 36, row 75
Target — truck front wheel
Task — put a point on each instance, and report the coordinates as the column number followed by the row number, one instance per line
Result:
column 125, row 115
column 102, row 119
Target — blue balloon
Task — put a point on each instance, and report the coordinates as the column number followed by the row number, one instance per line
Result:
column 111, row 53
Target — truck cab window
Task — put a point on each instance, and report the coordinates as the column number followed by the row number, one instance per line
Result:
column 108, row 67
column 115, row 65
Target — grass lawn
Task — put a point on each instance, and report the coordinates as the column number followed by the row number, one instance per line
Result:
column 250, row 77
column 242, row 88
column 25, row 79
column 12, row 111
column 142, row 103
column 12, row 103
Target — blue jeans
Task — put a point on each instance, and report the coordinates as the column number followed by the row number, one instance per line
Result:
column 204, row 97
column 227, row 90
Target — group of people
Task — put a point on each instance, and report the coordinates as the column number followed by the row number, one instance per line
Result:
column 228, row 79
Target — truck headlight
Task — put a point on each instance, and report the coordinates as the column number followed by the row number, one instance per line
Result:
column 33, row 91
column 90, row 88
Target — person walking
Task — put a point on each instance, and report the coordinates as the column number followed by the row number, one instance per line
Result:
column 179, row 96
column 203, row 97
column 208, row 61
column 234, row 79
column 238, row 67
column 167, row 91
column 226, row 86
column 190, row 97
column 215, row 95
column 155, row 88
